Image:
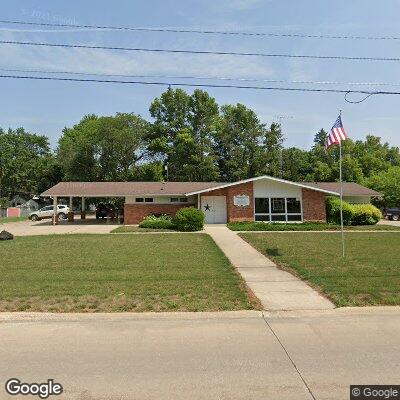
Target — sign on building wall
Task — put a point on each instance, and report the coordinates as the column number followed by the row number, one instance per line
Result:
column 241, row 200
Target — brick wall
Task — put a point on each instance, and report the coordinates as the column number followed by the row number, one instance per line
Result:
column 313, row 205
column 235, row 213
column 134, row 213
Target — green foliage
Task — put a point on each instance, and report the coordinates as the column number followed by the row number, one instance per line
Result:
column 189, row 219
column 333, row 211
column 305, row 226
column 353, row 214
column 4, row 202
column 24, row 162
column 388, row 183
column 182, row 134
column 103, row 148
column 366, row 214
column 153, row 222
column 263, row 226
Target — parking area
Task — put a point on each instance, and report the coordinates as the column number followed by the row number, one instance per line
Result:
column 389, row 222
column 45, row 227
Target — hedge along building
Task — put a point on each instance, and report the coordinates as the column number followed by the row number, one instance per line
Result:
column 262, row 198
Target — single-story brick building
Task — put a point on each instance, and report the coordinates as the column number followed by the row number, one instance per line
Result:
column 263, row 198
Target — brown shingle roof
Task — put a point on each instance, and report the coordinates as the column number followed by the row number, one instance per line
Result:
column 115, row 189
column 349, row 188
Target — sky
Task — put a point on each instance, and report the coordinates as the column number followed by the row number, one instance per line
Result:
column 46, row 107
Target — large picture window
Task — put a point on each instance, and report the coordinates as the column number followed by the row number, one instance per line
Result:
column 277, row 209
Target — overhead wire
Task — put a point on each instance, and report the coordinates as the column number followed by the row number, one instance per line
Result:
column 199, row 77
column 199, row 52
column 198, row 31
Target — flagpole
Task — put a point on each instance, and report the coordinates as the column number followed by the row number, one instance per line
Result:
column 341, row 194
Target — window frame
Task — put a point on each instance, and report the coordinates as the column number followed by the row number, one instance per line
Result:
column 280, row 217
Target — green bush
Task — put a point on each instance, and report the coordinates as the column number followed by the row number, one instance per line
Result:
column 333, row 211
column 353, row 214
column 189, row 219
column 153, row 222
column 366, row 214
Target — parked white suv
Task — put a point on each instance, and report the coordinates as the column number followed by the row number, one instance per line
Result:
column 48, row 211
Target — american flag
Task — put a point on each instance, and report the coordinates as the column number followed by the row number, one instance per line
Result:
column 337, row 134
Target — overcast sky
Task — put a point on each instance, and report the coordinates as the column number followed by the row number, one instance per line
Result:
column 47, row 107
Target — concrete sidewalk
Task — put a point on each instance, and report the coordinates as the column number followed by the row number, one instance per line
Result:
column 277, row 289
column 296, row 355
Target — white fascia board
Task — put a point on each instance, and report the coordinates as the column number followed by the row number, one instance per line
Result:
column 264, row 177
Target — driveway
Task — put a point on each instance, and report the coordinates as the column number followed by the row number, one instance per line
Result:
column 229, row 355
column 45, row 227
column 389, row 222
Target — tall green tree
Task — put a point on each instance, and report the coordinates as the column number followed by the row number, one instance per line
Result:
column 239, row 143
column 296, row 164
column 272, row 147
column 182, row 133
column 388, row 183
column 24, row 161
column 104, row 148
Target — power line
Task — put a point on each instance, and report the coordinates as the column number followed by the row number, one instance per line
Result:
column 224, row 53
column 289, row 89
column 216, row 78
column 200, row 31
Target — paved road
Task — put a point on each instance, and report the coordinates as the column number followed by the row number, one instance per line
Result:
column 237, row 355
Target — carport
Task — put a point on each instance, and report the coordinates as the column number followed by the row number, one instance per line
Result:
column 140, row 198
column 84, row 191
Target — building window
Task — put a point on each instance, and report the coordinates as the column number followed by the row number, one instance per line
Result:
column 293, row 206
column 278, row 205
column 262, row 206
column 262, row 217
column 277, row 209
column 149, row 200
column 179, row 199
column 139, row 199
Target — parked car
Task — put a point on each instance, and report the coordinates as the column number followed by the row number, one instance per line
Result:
column 392, row 213
column 48, row 211
column 105, row 211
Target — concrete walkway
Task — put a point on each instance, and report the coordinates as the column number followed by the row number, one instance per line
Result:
column 277, row 289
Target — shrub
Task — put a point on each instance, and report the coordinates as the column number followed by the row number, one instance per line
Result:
column 333, row 211
column 353, row 214
column 189, row 219
column 157, row 222
column 366, row 214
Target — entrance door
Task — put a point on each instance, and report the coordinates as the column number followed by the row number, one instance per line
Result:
column 214, row 208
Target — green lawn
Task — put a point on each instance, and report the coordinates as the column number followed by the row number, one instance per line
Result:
column 4, row 220
column 369, row 274
column 136, row 229
column 306, row 226
column 80, row 273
